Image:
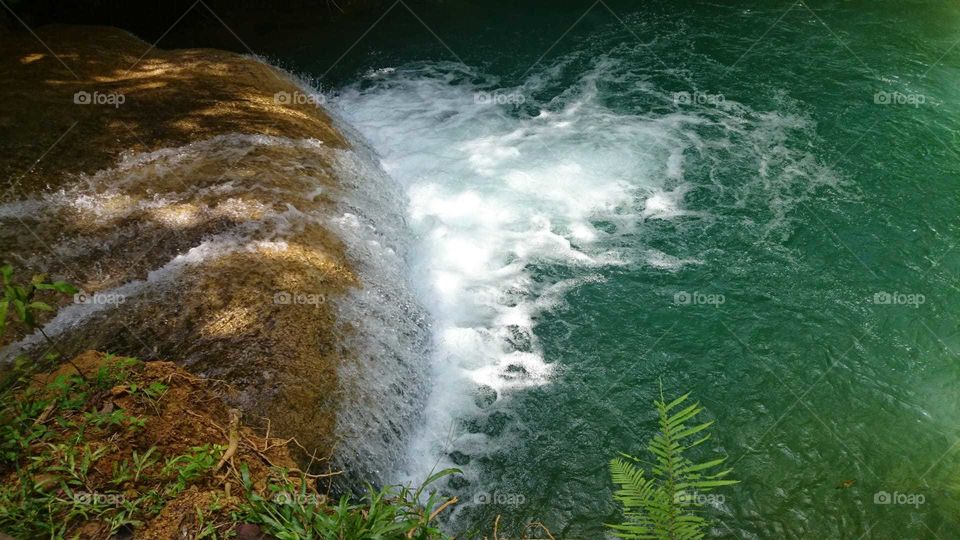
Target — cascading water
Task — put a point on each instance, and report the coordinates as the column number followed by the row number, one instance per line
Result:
column 519, row 196
column 386, row 330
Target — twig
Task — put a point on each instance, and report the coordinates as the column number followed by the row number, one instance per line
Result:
column 193, row 378
column 54, row 347
column 200, row 416
column 233, row 438
column 269, row 462
column 542, row 526
column 44, row 415
column 266, row 438
column 255, row 448
column 443, row 507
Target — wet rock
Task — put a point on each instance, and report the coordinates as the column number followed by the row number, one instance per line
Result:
column 248, row 531
column 459, row 458
column 520, row 338
column 198, row 227
column 485, row 396
column 458, row 482
column 496, row 423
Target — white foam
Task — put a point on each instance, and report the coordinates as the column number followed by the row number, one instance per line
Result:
column 500, row 194
column 383, row 382
column 663, row 205
column 663, row 261
column 494, row 197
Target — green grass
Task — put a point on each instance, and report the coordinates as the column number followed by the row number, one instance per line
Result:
column 49, row 459
column 294, row 513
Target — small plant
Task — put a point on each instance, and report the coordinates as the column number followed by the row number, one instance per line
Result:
column 142, row 462
column 392, row 512
column 664, row 504
column 191, row 466
column 121, row 473
column 21, row 297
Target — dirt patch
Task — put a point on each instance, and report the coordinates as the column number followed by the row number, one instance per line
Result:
column 123, row 410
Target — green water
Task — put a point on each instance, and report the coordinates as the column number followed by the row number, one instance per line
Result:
column 800, row 205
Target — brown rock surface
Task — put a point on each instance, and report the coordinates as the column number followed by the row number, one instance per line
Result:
column 195, row 240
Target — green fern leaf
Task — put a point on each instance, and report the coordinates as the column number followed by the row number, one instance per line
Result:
column 665, row 504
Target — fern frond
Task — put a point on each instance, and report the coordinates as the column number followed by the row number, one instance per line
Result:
column 635, row 489
column 665, row 505
column 637, row 495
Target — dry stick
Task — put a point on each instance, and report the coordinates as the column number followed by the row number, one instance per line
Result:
column 253, row 446
column 45, row 415
column 443, row 507
column 496, row 525
column 266, row 443
column 214, row 424
column 542, row 526
column 54, row 347
column 233, row 441
column 267, row 460
column 200, row 416
column 234, row 438
column 224, row 477
column 266, row 438
column 313, row 456
column 267, row 446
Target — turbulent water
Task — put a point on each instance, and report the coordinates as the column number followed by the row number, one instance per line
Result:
column 517, row 210
column 755, row 203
